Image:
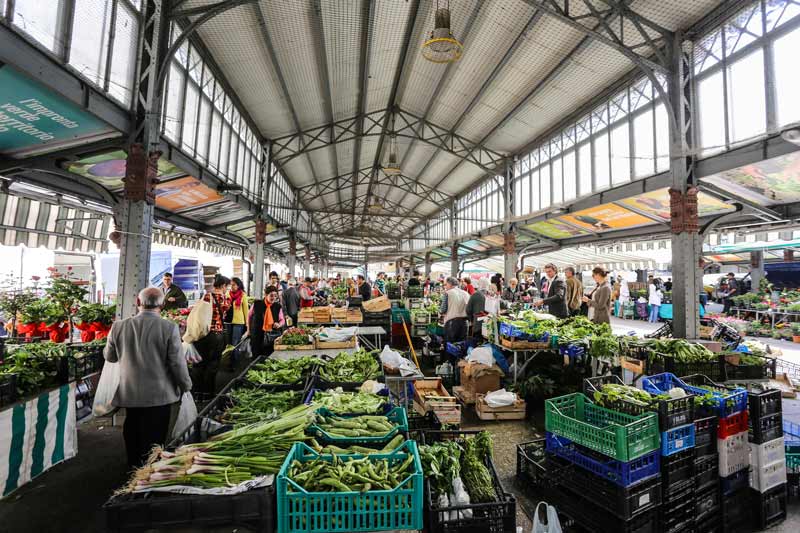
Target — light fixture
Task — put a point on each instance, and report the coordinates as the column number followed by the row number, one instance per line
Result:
column 392, row 166
column 442, row 47
column 792, row 136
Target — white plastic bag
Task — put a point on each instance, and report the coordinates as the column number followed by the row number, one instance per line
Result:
column 500, row 398
column 190, row 353
column 186, row 415
column 106, row 390
column 482, row 355
column 198, row 322
column 553, row 525
column 458, row 497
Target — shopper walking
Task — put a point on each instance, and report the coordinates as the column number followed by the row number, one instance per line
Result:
column 624, row 295
column 152, row 374
column 255, row 320
column 204, row 373
column 554, row 292
column 512, row 293
column 274, row 319
column 174, row 297
column 731, row 291
column 476, row 308
column 364, row 289
column 236, row 318
column 306, row 294
column 454, row 309
column 574, row 291
column 654, row 296
column 291, row 302
column 468, row 286
column 380, row 283
column 600, row 300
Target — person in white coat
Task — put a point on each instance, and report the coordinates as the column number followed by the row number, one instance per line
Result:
column 654, row 297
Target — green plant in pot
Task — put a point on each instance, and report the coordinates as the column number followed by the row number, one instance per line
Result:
column 795, row 332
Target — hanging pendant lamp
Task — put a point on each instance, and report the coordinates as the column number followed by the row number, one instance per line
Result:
column 442, row 47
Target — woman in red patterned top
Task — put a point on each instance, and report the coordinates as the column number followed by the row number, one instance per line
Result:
column 210, row 347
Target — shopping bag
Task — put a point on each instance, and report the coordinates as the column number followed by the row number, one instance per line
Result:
column 191, row 354
column 106, row 390
column 186, row 415
column 551, row 526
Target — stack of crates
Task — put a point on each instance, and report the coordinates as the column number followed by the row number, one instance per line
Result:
column 615, row 461
column 707, row 487
column 791, row 446
column 767, row 457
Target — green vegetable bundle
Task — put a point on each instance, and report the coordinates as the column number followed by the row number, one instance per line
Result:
column 476, row 476
column 255, row 405
column 345, row 403
column 281, row 371
column 441, row 464
column 35, row 365
column 227, row 459
column 356, row 426
column 355, row 449
column 349, row 474
column 358, row 366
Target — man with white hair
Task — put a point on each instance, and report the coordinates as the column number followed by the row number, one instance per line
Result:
column 152, row 374
column 476, row 308
column 454, row 309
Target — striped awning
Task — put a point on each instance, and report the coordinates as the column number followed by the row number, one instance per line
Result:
column 36, row 223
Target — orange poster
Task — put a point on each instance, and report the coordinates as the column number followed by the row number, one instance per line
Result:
column 606, row 217
column 184, row 193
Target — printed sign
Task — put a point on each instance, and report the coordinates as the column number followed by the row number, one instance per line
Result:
column 656, row 204
column 770, row 182
column 185, row 193
column 556, row 229
column 606, row 217
column 108, row 169
column 34, row 120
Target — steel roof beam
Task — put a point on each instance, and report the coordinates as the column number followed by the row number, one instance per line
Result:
column 366, row 48
column 393, row 99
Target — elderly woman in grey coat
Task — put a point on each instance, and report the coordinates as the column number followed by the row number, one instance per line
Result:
column 599, row 301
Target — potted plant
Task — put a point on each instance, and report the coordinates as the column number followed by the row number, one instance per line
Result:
column 12, row 303
column 776, row 334
column 761, row 306
column 796, row 332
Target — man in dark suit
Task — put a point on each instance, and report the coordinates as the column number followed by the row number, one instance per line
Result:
column 554, row 292
column 364, row 288
column 174, row 298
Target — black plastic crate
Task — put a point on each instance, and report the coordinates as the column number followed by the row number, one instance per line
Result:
column 712, row 523
column 713, row 369
column 763, row 402
column 90, row 363
column 770, row 506
column 765, row 429
column 706, row 501
column 539, row 470
column 593, row 518
column 736, row 510
column 671, row 413
column 8, row 389
column 706, row 472
column 729, row 485
column 623, row 502
column 418, row 423
column 766, row 370
column 705, row 436
column 201, row 430
column 678, row 515
column 676, row 471
column 494, row 517
column 254, row 509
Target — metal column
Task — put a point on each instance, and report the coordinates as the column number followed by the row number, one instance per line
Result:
column 428, row 264
column 291, row 258
column 510, row 255
column 686, row 239
column 756, row 269
column 133, row 216
column 307, row 262
column 258, row 261
column 454, row 263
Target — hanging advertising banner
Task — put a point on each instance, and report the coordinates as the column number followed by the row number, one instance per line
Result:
column 218, row 214
column 185, row 193
column 556, row 229
column 606, row 217
column 35, row 120
column 656, row 204
column 108, row 169
column 769, row 182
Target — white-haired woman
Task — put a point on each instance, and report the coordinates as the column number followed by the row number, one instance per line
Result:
column 476, row 308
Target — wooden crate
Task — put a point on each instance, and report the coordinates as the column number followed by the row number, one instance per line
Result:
column 704, row 332
column 450, row 414
column 280, row 347
column 430, row 387
column 636, row 366
column 322, row 314
column 509, row 412
column 513, row 344
column 354, row 316
column 421, row 317
column 306, row 315
column 335, row 345
column 339, row 313
column 466, row 397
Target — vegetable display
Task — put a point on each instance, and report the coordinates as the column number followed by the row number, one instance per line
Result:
column 227, row 459
column 254, row 405
column 610, row 393
column 349, row 474
column 280, row 371
column 358, row 366
column 296, row 337
column 345, row 403
column 356, row 449
column 35, row 365
column 441, row 464
column 356, row 426
column 444, row 462
column 477, row 478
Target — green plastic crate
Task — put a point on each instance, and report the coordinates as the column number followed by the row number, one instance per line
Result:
column 436, row 329
column 618, row 435
column 399, row 314
column 300, row 511
column 397, row 416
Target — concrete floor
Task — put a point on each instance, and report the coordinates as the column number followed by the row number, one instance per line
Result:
column 68, row 498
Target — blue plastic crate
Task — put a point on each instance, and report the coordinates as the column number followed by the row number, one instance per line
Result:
column 575, row 352
column 510, row 330
column 457, row 349
column 735, row 482
column 791, row 436
column 620, row 473
column 662, row 383
column 677, row 439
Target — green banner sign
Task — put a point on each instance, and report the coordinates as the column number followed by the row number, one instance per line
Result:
column 33, row 119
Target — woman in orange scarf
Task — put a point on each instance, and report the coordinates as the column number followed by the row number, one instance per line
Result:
column 274, row 320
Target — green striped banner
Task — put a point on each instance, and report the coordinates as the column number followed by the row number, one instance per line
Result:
column 36, row 435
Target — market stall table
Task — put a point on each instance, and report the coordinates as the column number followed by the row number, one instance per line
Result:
column 296, row 354
column 371, row 337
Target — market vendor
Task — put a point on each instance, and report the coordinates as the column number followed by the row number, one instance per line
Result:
column 306, row 294
column 174, row 297
column 364, row 289
column 554, row 292
column 454, row 309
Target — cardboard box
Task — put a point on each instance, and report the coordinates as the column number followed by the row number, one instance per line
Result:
column 479, row 379
column 376, row 305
